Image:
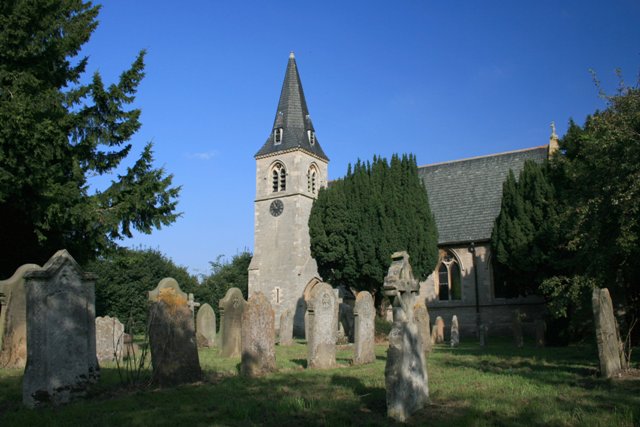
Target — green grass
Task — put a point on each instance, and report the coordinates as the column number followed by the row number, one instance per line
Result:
column 498, row 385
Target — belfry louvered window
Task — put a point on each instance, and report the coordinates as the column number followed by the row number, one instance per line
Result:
column 277, row 136
column 278, row 178
column 312, row 175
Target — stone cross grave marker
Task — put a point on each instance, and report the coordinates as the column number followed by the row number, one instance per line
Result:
column 258, row 337
column 455, row 331
column 61, row 335
column 608, row 339
column 231, row 309
column 109, row 339
column 206, row 326
column 364, row 334
column 322, row 313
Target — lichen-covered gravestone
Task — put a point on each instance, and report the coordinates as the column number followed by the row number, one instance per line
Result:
column 405, row 373
column 517, row 329
column 172, row 338
column 364, row 335
column 607, row 336
column 286, row 328
column 61, row 335
column 439, row 330
column 13, row 319
column 322, row 314
column 421, row 317
column 109, row 339
column 231, row 309
column 206, row 326
column 258, row 337
column 455, row 331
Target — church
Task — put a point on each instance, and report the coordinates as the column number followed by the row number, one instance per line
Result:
column 464, row 196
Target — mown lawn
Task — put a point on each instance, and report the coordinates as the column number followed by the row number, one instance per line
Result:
column 498, row 385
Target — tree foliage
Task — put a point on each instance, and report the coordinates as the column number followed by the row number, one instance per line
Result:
column 357, row 223
column 57, row 132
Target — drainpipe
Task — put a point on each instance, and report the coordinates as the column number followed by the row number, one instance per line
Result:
column 472, row 250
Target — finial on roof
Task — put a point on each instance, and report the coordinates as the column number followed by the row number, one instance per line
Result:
column 553, row 130
column 553, row 140
column 291, row 55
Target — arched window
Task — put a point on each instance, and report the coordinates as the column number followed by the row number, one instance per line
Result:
column 449, row 279
column 278, row 177
column 312, row 175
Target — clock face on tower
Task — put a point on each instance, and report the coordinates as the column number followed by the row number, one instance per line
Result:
column 276, row 207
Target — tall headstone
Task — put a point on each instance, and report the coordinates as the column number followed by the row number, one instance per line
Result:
column 258, row 337
column 455, row 331
column 109, row 339
column 421, row 317
column 206, row 326
column 517, row 329
column 61, row 335
column 285, row 336
column 609, row 344
column 439, row 330
column 322, row 312
column 541, row 329
column 483, row 334
column 364, row 334
column 406, row 378
column 231, row 309
column 13, row 319
column 172, row 337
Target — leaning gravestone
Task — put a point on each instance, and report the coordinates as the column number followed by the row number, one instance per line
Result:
column 61, row 335
column 517, row 328
column 607, row 337
column 231, row 309
column 364, row 334
column 285, row 336
column 109, row 339
column 172, row 338
column 13, row 319
column 405, row 372
column 206, row 326
column 455, row 332
column 258, row 337
column 421, row 317
column 439, row 330
column 322, row 310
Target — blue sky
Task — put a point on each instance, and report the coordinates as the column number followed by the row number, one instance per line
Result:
column 442, row 80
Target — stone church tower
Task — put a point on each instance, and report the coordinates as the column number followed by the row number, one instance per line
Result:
column 290, row 169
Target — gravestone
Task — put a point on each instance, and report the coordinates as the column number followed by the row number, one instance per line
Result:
column 322, row 313
column 206, row 326
column 286, row 328
column 439, row 330
column 172, row 337
column 258, row 337
column 231, row 309
column 61, row 334
column 364, row 334
column 541, row 328
column 455, row 332
column 109, row 339
column 517, row 328
column 405, row 372
column 609, row 344
column 483, row 334
column 13, row 319
column 421, row 317
column 434, row 335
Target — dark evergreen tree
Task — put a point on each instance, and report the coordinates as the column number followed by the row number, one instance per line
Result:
column 56, row 132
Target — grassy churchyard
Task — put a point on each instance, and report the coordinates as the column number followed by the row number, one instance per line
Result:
column 468, row 385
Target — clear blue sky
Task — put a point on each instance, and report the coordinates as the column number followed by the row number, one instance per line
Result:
column 442, row 80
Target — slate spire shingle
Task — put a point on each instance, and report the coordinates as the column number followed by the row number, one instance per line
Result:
column 293, row 118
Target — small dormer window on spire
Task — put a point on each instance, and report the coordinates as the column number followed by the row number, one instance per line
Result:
column 312, row 137
column 277, row 136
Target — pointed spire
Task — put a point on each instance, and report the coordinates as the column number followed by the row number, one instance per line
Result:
column 292, row 117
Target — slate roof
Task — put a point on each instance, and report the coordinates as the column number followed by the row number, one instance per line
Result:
column 465, row 195
column 293, row 117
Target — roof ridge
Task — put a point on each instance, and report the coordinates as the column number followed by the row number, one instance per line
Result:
column 504, row 153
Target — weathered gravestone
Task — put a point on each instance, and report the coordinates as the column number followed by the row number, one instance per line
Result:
column 231, row 309
column 172, row 337
column 109, row 339
column 434, row 335
column 483, row 334
column 541, row 328
column 607, row 336
column 61, row 335
column 13, row 319
column 322, row 314
column 364, row 334
column 206, row 326
column 439, row 330
column 517, row 329
column 285, row 336
column 405, row 372
column 455, row 331
column 258, row 337
column 421, row 317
